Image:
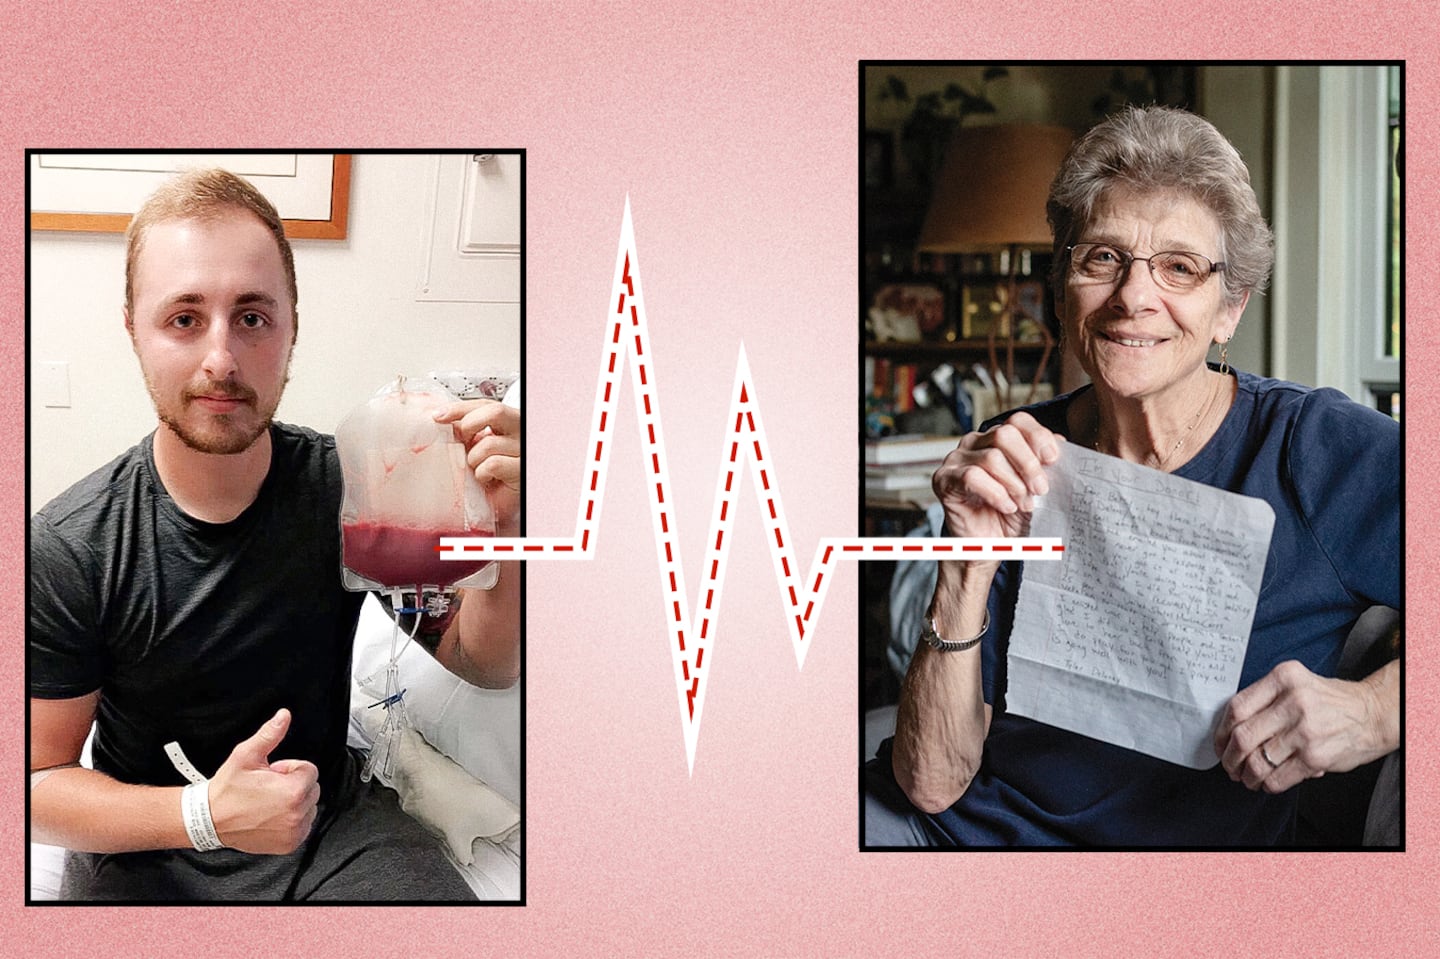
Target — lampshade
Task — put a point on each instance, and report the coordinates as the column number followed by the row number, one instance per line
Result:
column 992, row 187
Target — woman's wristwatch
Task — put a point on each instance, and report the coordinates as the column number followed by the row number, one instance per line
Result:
column 929, row 636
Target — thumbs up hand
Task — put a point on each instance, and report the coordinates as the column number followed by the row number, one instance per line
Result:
column 264, row 807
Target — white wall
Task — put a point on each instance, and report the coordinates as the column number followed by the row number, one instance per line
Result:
column 1331, row 238
column 360, row 324
column 1238, row 100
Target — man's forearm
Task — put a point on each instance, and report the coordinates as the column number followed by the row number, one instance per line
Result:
column 482, row 643
column 88, row 811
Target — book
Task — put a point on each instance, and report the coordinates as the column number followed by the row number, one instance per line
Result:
column 909, row 448
column 920, row 497
column 903, row 476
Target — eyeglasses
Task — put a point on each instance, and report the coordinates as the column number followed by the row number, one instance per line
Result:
column 1175, row 270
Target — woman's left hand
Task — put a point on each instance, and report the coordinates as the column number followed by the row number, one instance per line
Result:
column 491, row 434
column 1292, row 725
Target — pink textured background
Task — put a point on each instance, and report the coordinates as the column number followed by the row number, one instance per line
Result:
column 732, row 127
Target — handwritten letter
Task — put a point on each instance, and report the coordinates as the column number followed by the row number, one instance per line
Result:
column 1137, row 636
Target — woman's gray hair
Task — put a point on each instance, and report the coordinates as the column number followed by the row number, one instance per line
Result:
column 1159, row 149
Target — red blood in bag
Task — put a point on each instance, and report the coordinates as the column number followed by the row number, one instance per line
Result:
column 402, row 555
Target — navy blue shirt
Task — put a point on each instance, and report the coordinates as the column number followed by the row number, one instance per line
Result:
column 1330, row 468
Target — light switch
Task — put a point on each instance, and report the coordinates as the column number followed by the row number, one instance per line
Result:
column 52, row 384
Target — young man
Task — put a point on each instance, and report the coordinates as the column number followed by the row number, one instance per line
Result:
column 190, row 591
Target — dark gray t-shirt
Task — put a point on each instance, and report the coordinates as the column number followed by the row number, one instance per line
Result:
column 192, row 631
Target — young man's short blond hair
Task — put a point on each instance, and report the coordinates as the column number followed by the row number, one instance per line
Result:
column 204, row 194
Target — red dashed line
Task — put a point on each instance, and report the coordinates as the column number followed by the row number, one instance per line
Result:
column 745, row 420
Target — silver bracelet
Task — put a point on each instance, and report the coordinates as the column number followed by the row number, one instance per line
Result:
column 929, row 636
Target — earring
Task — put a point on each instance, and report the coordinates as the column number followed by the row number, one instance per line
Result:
column 1224, row 358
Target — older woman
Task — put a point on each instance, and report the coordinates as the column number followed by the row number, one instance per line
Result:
column 1159, row 244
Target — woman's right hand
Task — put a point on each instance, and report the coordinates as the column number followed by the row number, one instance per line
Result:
column 985, row 485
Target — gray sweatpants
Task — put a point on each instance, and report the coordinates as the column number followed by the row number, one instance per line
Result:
column 364, row 848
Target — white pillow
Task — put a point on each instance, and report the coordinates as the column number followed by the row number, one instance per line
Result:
column 477, row 728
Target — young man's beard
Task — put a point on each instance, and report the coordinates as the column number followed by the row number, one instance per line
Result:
column 220, row 435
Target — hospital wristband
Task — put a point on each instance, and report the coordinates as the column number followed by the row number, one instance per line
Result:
column 195, row 809
column 194, row 802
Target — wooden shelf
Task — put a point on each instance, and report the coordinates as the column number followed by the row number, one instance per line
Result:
column 941, row 350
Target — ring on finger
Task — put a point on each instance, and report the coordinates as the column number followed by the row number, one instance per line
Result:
column 1266, row 756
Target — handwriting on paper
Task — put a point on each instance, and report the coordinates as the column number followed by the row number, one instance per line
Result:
column 1137, row 638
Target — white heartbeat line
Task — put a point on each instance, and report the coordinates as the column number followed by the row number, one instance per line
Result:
column 627, row 342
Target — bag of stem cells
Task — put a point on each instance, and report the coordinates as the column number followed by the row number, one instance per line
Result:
column 406, row 485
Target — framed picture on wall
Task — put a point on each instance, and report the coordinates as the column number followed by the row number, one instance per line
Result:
column 98, row 192
column 983, row 311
